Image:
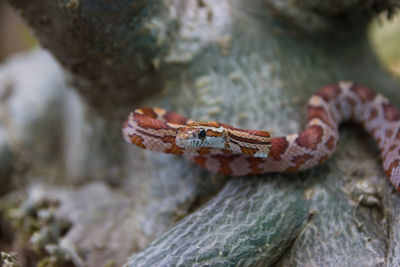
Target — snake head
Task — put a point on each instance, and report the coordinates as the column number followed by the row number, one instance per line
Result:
column 195, row 135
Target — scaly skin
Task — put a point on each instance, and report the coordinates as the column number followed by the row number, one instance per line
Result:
column 233, row 151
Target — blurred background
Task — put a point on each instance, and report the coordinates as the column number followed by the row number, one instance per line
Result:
column 384, row 33
column 385, row 36
column 14, row 35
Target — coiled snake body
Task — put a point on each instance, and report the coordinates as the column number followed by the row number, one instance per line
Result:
column 222, row 148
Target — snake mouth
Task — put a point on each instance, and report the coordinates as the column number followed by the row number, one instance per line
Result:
column 192, row 143
column 189, row 143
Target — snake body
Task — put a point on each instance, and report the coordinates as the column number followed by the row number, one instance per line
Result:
column 222, row 148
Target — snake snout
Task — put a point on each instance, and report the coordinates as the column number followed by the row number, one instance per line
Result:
column 188, row 138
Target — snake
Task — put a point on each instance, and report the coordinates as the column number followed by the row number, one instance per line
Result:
column 222, row 148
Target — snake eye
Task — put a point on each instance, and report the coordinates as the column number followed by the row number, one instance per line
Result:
column 202, row 133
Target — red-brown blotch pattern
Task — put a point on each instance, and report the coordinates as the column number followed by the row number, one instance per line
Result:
column 155, row 129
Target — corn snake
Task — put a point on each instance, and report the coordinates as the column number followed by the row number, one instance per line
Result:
column 222, row 148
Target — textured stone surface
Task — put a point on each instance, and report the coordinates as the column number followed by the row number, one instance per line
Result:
column 93, row 218
column 244, row 224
